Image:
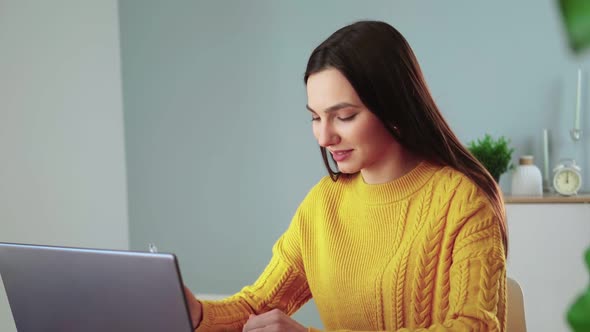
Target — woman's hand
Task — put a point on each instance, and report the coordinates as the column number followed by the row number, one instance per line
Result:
column 194, row 306
column 273, row 321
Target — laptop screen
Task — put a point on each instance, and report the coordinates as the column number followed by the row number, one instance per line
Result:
column 75, row 289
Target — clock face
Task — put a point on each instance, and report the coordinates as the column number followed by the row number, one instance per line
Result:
column 567, row 182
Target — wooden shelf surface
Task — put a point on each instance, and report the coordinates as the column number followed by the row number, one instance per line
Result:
column 549, row 198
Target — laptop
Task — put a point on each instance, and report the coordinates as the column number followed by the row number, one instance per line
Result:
column 52, row 288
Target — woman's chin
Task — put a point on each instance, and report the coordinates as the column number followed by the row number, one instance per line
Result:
column 347, row 170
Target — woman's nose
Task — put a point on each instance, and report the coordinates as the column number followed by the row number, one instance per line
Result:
column 327, row 136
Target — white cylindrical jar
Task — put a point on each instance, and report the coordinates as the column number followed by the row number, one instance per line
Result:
column 527, row 179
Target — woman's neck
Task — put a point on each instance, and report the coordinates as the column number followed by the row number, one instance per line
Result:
column 396, row 164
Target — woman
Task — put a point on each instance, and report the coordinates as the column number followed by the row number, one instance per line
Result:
column 409, row 234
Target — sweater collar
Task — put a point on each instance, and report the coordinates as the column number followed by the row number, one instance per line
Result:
column 397, row 189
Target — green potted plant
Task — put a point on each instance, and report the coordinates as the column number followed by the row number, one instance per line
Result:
column 494, row 154
column 577, row 314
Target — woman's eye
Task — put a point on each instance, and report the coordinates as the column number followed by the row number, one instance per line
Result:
column 347, row 118
column 315, row 118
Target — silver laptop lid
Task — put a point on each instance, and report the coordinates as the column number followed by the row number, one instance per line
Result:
column 74, row 289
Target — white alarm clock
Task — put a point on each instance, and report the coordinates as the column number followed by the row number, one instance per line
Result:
column 567, row 177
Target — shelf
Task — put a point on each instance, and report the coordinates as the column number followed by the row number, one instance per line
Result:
column 547, row 198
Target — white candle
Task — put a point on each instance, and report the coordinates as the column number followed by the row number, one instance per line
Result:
column 578, row 100
column 545, row 155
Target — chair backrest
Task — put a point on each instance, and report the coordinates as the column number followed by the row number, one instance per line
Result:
column 514, row 307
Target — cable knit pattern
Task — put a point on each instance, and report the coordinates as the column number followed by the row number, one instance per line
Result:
column 421, row 253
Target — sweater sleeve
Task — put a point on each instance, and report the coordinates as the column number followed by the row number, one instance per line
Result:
column 282, row 285
column 477, row 297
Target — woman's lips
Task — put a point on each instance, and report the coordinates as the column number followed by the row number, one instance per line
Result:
column 341, row 155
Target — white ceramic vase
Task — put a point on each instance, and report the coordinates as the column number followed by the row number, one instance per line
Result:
column 527, row 179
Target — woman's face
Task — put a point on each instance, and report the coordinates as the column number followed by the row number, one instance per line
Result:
column 354, row 136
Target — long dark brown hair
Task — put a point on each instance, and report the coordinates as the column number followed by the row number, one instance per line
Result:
column 382, row 68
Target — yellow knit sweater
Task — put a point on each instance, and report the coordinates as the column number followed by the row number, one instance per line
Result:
column 423, row 252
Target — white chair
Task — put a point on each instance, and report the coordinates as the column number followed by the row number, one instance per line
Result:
column 515, row 320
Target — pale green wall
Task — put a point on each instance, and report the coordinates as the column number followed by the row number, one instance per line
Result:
column 219, row 147
column 62, row 158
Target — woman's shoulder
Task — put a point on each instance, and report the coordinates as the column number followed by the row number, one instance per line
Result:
column 327, row 185
column 328, row 189
column 457, row 187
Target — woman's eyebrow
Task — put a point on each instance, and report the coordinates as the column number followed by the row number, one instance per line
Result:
column 334, row 107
